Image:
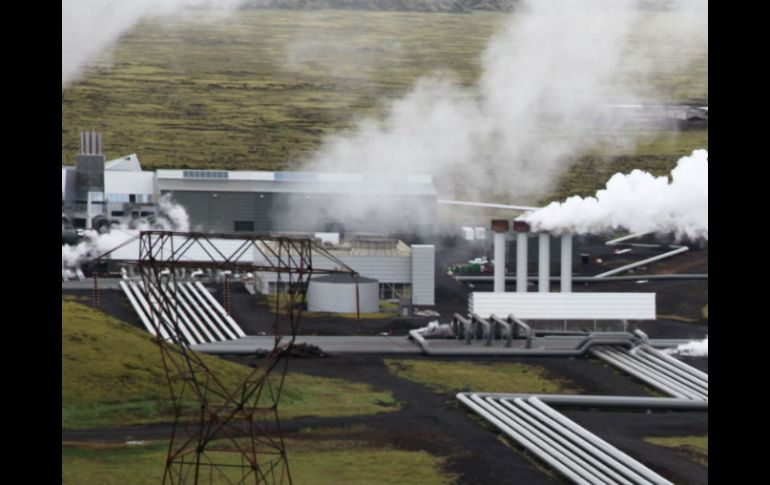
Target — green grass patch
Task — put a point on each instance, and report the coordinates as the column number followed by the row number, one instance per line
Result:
column 694, row 447
column 112, row 375
column 318, row 461
column 446, row 376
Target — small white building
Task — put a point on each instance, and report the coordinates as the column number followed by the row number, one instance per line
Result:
column 402, row 271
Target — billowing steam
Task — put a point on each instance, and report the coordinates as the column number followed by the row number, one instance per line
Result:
column 544, row 98
column 90, row 27
column 638, row 202
column 696, row 348
column 170, row 217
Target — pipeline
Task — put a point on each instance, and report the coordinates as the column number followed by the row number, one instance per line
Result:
column 593, row 279
column 573, row 451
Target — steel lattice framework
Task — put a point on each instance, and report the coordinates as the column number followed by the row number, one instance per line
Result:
column 225, row 431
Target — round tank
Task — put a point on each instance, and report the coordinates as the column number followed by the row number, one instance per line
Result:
column 337, row 294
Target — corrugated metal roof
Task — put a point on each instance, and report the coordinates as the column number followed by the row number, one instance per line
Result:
column 561, row 306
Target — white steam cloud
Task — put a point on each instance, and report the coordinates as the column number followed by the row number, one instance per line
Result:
column 171, row 217
column 696, row 348
column 90, row 27
column 543, row 99
column 638, row 202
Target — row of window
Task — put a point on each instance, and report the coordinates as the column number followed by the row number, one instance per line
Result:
column 205, row 174
column 134, row 198
column 388, row 291
column 133, row 214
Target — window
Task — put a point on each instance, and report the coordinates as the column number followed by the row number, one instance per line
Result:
column 205, row 174
column 117, row 197
column 244, row 226
column 117, row 214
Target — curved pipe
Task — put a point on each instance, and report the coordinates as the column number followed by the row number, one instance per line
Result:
column 622, row 339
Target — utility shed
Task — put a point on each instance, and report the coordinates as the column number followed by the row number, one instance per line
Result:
column 336, row 293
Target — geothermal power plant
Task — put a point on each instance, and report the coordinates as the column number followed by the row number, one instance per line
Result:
column 188, row 250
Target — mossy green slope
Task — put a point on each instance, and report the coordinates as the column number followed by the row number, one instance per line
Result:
column 456, row 376
column 112, row 375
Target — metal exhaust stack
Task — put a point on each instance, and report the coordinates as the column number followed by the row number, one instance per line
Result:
column 566, row 263
column 500, row 228
column 544, row 263
column 521, row 228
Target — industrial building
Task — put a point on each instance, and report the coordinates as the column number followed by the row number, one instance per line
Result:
column 96, row 193
column 401, row 271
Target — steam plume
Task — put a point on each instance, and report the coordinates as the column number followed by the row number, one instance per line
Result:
column 638, row 202
column 171, row 217
column 542, row 100
column 696, row 348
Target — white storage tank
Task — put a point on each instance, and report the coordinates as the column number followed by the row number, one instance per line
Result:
column 337, row 294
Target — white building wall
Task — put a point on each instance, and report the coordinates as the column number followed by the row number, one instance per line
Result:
column 385, row 269
column 569, row 306
column 341, row 298
column 423, row 274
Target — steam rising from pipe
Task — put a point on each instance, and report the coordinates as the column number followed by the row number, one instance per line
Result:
column 638, row 202
column 548, row 80
column 171, row 217
column 91, row 27
column 696, row 348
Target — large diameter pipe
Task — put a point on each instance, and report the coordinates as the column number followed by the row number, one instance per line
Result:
column 544, row 263
column 566, row 263
column 499, row 262
column 521, row 262
column 521, row 228
column 678, row 250
column 500, row 228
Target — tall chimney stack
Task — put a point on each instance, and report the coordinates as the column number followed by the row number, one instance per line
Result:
column 521, row 228
column 544, row 263
column 566, row 263
column 500, row 228
column 90, row 143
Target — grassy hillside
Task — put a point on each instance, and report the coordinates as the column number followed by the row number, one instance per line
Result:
column 112, row 375
column 262, row 88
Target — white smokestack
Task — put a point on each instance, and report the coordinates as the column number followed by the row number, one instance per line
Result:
column 521, row 256
column 500, row 228
column 544, row 263
column 566, row 263
column 638, row 202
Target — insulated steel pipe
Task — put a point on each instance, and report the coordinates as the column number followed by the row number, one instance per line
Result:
column 521, row 228
column 544, row 263
column 500, row 228
column 572, row 450
column 566, row 263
